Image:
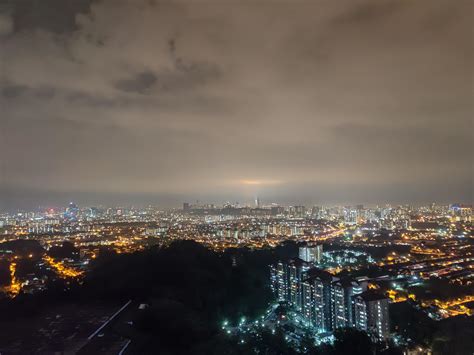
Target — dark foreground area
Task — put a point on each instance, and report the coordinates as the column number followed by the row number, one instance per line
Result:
column 173, row 300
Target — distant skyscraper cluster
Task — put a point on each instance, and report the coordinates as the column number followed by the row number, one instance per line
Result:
column 71, row 211
column 326, row 302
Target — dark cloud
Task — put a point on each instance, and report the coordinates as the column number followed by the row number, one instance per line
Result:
column 318, row 101
column 58, row 16
column 366, row 13
column 140, row 83
column 11, row 91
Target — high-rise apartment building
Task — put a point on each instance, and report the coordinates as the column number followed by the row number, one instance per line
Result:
column 378, row 317
column 327, row 303
column 311, row 253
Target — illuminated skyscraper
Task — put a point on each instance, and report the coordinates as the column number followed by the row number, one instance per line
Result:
column 311, row 254
column 71, row 211
column 296, row 274
column 320, row 303
column 338, row 306
column 280, row 281
column 257, row 202
column 371, row 314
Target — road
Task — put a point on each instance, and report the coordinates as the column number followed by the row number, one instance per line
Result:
column 110, row 337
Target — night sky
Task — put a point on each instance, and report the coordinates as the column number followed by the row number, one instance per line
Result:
column 311, row 102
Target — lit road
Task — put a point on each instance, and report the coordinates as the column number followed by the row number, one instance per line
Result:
column 61, row 269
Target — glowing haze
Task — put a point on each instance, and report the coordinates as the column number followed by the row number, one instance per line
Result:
column 140, row 101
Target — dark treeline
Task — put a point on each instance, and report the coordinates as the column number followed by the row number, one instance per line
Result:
column 22, row 247
column 5, row 277
column 172, row 271
column 66, row 250
column 190, row 289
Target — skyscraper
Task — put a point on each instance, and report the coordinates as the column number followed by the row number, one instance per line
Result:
column 71, row 211
column 280, row 281
column 308, row 301
column 371, row 314
column 351, row 289
column 257, row 202
column 311, row 254
column 338, row 306
column 296, row 274
column 320, row 282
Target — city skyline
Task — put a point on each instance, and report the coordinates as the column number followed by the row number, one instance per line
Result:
column 198, row 204
column 150, row 102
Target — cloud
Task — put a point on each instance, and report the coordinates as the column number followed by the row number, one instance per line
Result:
column 177, row 98
column 57, row 16
column 6, row 24
column 140, row 83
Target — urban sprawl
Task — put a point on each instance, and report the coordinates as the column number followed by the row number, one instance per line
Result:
column 353, row 261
